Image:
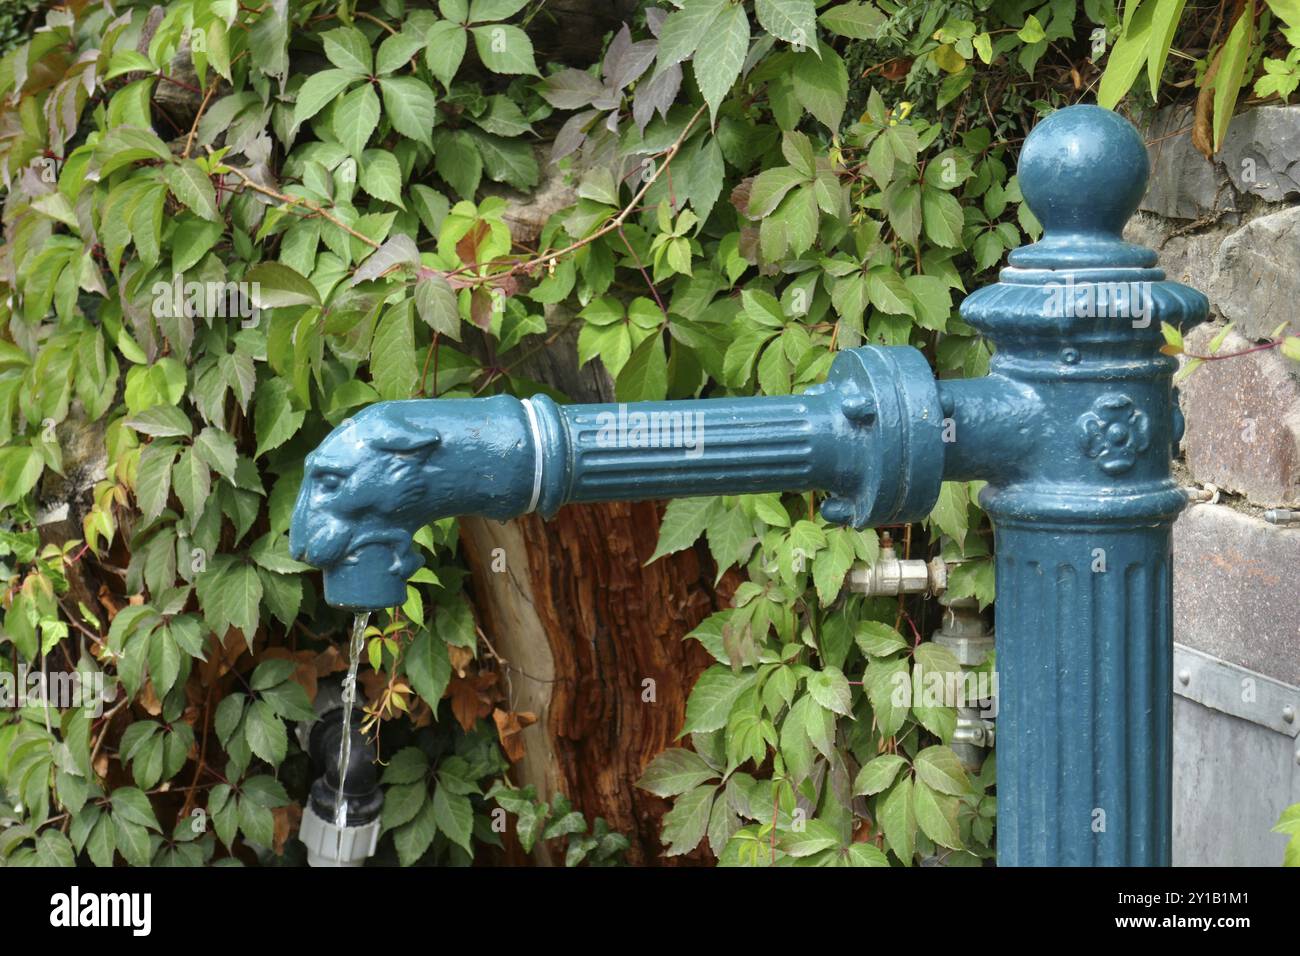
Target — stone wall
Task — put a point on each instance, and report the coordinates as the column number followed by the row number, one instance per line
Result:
column 1232, row 230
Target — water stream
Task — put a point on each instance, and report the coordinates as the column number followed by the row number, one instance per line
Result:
column 355, row 650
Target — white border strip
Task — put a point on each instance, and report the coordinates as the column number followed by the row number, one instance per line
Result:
column 537, row 454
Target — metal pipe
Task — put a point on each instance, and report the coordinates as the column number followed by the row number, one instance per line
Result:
column 1073, row 429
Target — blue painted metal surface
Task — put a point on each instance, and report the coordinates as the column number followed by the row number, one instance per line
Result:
column 1072, row 429
column 1083, row 514
column 870, row 436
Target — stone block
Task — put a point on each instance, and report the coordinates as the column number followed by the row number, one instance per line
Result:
column 1235, row 586
column 1183, row 185
column 1256, row 277
column 1243, row 421
column 1261, row 152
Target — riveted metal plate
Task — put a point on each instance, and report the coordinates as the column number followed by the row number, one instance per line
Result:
column 1236, row 691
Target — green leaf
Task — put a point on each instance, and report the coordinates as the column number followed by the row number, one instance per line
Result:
column 728, row 42
column 951, row 513
column 428, row 667
column 348, row 49
column 684, row 826
column 1127, row 56
column 161, row 421
column 939, row 768
column 396, row 51
column 435, row 303
column 410, row 106
column 877, row 639
column 444, row 50
column 685, row 519
column 265, row 732
column 821, row 85
column 674, row 772
column 1163, row 24
column 1231, row 77
column 712, row 698
column 257, row 823
column 770, row 187
column 898, row 820
column 454, row 816
column 355, row 118
column 830, row 688
column 275, row 285
column 878, row 774
column 403, row 802
column 275, row 420
column 192, row 480
column 480, row 10
column 816, row 836
column 191, row 186
column 505, row 49
column 645, row 376
column 936, row 814
column 381, row 176
column 857, row 21
column 396, row 370
column 133, row 806
column 794, row 21
column 412, row 839
column 318, row 91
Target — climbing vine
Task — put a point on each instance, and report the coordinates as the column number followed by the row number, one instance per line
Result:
column 227, row 226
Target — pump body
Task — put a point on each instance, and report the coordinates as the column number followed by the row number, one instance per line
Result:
column 1073, row 429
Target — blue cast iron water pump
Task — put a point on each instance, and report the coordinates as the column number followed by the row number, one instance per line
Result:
column 1073, row 429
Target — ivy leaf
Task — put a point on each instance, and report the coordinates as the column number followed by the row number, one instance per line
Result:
column 161, row 421
column 727, row 46
column 265, row 732
column 645, row 376
column 857, row 21
column 275, row 285
column 821, row 84
column 713, row 696
column 318, row 91
column 939, row 768
column 396, row 51
column 791, row 20
column 193, row 481
column 349, row 50
column 898, row 820
column 936, row 814
column 454, row 816
column 412, row 839
column 444, row 50
column 458, row 161
column 877, row 639
column 878, row 774
column 153, row 478
column 830, row 688
column 275, row 420
column 428, row 667
column 674, row 772
column 191, row 186
column 951, row 511
column 411, row 107
column 403, row 802
column 381, row 176
column 356, row 117
column 435, row 302
column 505, row 49
column 395, row 376
column 684, row 826
column 685, row 519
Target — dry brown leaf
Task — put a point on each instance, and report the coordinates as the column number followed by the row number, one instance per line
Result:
column 286, row 824
column 509, row 731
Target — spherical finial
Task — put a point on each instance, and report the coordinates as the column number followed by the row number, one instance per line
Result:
column 1083, row 170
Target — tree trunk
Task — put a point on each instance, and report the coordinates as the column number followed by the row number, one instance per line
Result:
column 591, row 635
